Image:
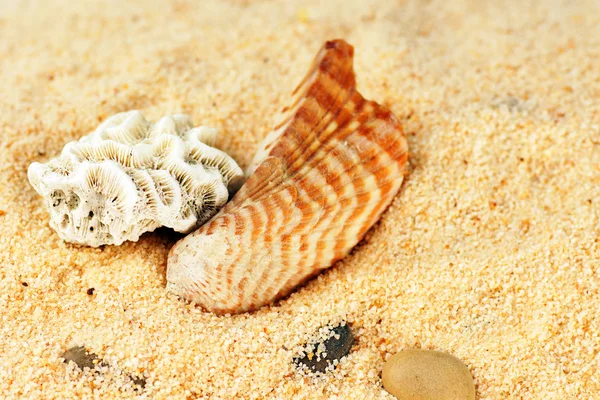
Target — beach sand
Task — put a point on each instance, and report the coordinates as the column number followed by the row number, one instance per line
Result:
column 490, row 252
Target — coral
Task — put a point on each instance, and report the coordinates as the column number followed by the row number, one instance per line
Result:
column 131, row 176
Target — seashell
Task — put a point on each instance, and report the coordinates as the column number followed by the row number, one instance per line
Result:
column 321, row 179
column 130, row 176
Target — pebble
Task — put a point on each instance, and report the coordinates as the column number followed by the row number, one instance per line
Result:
column 335, row 347
column 80, row 356
column 84, row 359
column 427, row 375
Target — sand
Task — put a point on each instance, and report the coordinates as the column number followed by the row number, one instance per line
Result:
column 490, row 252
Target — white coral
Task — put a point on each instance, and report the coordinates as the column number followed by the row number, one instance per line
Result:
column 130, row 176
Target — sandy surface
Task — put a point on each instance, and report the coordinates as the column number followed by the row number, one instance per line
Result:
column 490, row 252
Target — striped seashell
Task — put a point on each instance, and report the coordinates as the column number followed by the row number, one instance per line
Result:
column 323, row 177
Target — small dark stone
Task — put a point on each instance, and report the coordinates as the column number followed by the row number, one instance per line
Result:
column 25, row 284
column 90, row 291
column 80, row 356
column 337, row 346
column 141, row 382
column 511, row 103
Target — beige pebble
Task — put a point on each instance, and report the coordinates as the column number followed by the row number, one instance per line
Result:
column 427, row 375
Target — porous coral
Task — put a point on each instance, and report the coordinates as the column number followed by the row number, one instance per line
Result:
column 131, row 176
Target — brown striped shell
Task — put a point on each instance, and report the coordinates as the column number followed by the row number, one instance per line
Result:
column 321, row 180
